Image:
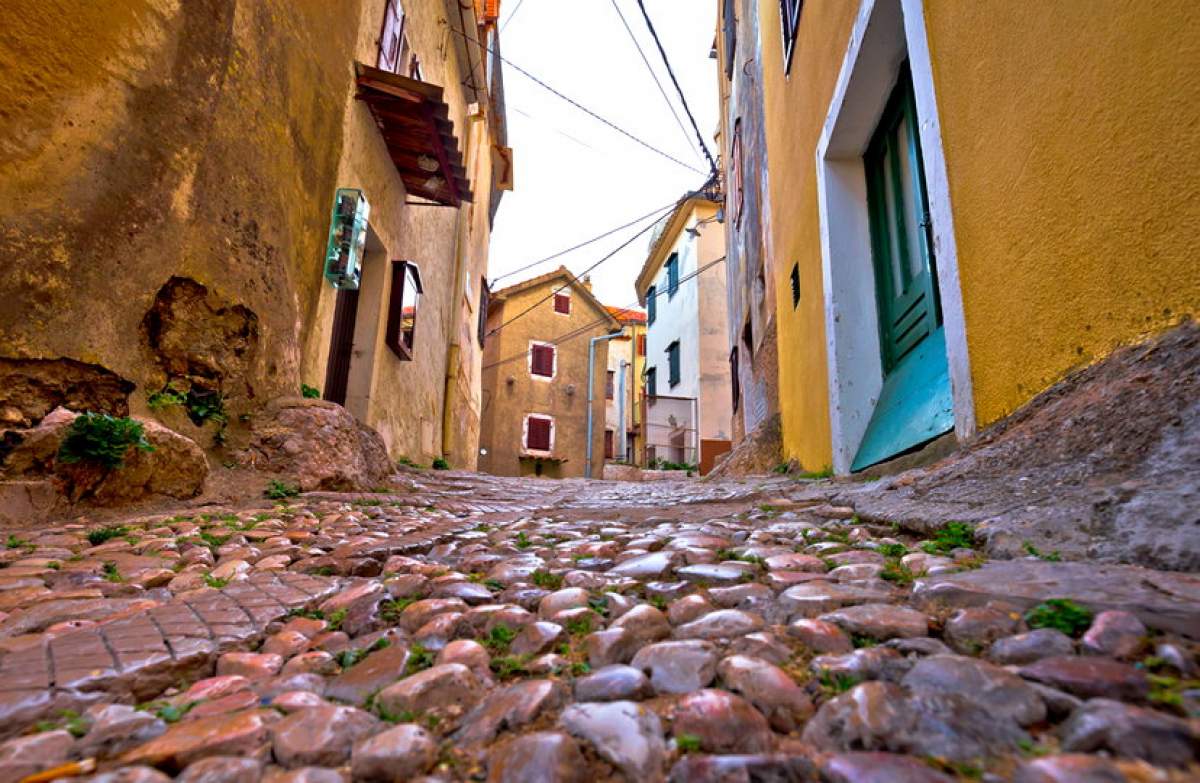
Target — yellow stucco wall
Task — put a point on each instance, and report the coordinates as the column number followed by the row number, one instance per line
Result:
column 795, row 109
column 1072, row 147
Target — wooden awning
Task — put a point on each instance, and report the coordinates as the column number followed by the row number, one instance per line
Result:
column 415, row 123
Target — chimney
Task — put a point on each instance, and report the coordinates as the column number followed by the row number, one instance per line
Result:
column 587, row 282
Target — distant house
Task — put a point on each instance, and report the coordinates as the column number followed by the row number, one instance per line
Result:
column 687, row 403
column 535, row 377
column 623, row 388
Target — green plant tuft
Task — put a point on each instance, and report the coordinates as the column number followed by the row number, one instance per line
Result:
column 109, row 571
column 309, row 392
column 687, row 743
column 1062, row 614
column 951, row 536
column 547, row 580
column 498, row 639
column 278, row 490
column 439, row 463
column 101, row 439
column 1052, row 557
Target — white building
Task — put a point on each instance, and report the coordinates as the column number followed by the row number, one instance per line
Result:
column 687, row 383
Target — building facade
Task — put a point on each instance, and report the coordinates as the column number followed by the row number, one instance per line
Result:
column 535, row 372
column 169, row 175
column 687, row 385
column 623, row 388
column 950, row 235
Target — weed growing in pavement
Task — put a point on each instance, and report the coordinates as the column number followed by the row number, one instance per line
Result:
column 349, row 657
column 391, row 610
column 546, row 580
column 70, row 720
column 311, row 614
column 835, row 683
column 16, row 542
column 325, row 570
column 896, row 572
column 408, row 463
column 951, row 536
column 109, row 572
column 860, row 641
column 781, row 468
column 309, row 392
column 101, row 439
column 522, row 541
column 1062, row 614
column 498, row 639
column 215, row 582
column 279, row 490
column 599, row 605
column 892, row 550
column 687, row 743
column 171, row 713
column 100, row 535
column 495, row 585
column 165, row 398
column 439, row 463
column 579, row 669
column 579, row 626
column 509, row 666
column 1031, row 749
column 54, row 565
column 1052, row 557
column 658, row 602
column 335, row 619
column 419, row 659
column 812, row 475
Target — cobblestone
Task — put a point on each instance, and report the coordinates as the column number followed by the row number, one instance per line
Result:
column 476, row 628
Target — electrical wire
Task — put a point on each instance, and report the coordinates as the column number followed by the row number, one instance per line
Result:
column 583, row 108
column 653, row 34
column 581, row 330
column 687, row 136
column 516, row 8
column 596, row 238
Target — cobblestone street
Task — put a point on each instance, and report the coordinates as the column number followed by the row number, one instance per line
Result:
column 471, row 628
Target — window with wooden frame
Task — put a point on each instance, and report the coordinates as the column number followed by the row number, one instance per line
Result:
column 652, row 382
column 641, row 345
column 404, row 302
column 736, row 180
column 789, row 17
column 733, row 375
column 539, row 433
column 485, row 297
column 673, row 372
column 562, row 304
column 672, row 275
column 541, row 360
column 651, row 304
column 395, row 53
column 609, row 444
column 610, row 379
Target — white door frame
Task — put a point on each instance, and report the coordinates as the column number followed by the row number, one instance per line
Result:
column 884, row 34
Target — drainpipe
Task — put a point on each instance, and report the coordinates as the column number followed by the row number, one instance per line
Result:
column 587, row 465
column 621, row 412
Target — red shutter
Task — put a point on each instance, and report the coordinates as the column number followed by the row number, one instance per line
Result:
column 641, row 345
column 542, row 362
column 538, row 435
column 562, row 304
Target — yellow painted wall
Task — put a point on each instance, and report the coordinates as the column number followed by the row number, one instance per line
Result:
column 1072, row 144
column 795, row 111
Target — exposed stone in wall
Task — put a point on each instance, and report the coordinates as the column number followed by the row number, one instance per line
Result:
column 758, row 452
column 197, row 338
column 31, row 388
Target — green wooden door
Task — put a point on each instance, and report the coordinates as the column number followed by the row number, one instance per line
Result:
column 915, row 403
column 906, row 285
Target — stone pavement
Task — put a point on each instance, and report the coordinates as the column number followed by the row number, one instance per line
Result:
column 474, row 628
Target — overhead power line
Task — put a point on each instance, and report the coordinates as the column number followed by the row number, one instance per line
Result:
column 585, row 109
column 516, row 8
column 581, row 330
column 586, row 242
column 654, row 76
column 653, row 34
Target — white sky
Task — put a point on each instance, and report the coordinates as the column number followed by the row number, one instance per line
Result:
column 574, row 176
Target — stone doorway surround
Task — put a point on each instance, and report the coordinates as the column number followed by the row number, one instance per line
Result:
column 885, row 33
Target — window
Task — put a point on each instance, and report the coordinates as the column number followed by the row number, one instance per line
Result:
column 609, row 382
column 485, row 297
column 641, row 345
column 789, row 13
column 541, row 360
column 403, row 304
column 539, row 433
column 795, row 285
column 652, row 382
column 673, row 364
column 562, row 304
column 651, row 304
column 735, row 173
column 729, row 22
column 672, row 275
column 608, row 444
column 733, row 374
column 748, row 338
column 391, row 39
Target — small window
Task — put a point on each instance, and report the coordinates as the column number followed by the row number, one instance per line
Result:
column 485, row 297
column 608, row 444
column 789, row 13
column 651, row 304
column 795, row 285
column 673, row 364
column 562, row 304
column 641, row 345
column 539, row 433
column 391, row 38
column 733, row 374
column 609, row 382
column 672, row 275
column 652, row 382
column 736, row 181
column 404, row 302
column 541, row 360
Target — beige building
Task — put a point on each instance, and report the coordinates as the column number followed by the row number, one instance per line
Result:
column 167, row 177
column 535, row 372
column 623, row 388
column 688, row 387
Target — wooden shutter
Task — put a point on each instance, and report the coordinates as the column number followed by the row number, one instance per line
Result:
column 609, row 378
column 729, row 27
column 485, row 297
column 641, row 345
column 651, row 304
column 538, row 434
column 543, row 360
column 608, row 444
column 673, row 362
column 733, row 374
column 562, row 304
